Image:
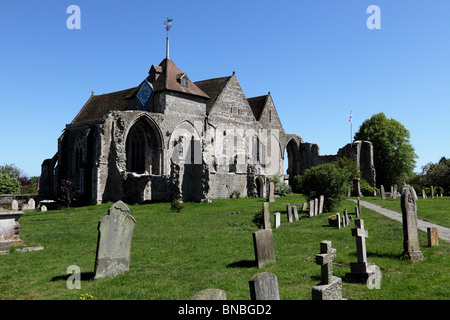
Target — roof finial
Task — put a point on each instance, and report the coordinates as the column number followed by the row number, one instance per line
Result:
column 167, row 25
column 92, row 92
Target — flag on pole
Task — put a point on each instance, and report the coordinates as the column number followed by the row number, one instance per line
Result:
column 350, row 120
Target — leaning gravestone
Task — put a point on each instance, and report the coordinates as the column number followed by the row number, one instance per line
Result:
column 210, row 294
column 264, row 247
column 289, row 212
column 15, row 205
column 266, row 214
column 361, row 270
column 409, row 218
column 338, row 220
column 294, row 209
column 115, row 233
column 264, row 286
column 330, row 287
column 383, row 193
column 277, row 220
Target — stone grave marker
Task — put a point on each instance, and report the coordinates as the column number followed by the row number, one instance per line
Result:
column 294, row 209
column 115, row 234
column 210, row 294
column 304, row 206
column 289, row 212
column 359, row 205
column 383, row 193
column 345, row 216
column 424, row 195
column 264, row 286
column 357, row 212
column 338, row 220
column 411, row 245
column 432, row 234
column 271, row 192
column 31, row 204
column 432, row 192
column 356, row 187
column 277, row 220
column 25, row 206
column 15, row 205
column 311, row 208
column 394, row 194
column 264, row 247
column 266, row 214
column 321, row 200
column 316, row 206
column 330, row 287
column 43, row 208
column 361, row 270
column 10, row 228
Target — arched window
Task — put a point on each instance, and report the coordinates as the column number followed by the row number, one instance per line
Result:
column 136, row 150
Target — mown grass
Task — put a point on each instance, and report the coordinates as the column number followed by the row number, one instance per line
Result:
column 435, row 210
column 176, row 255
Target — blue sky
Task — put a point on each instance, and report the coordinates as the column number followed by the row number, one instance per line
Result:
column 316, row 57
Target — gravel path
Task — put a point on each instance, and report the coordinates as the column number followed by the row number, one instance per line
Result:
column 443, row 232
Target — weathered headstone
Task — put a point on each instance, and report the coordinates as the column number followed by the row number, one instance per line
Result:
column 424, row 195
column 264, row 286
column 383, row 193
column 357, row 212
column 432, row 192
column 361, row 270
column 311, row 208
column 359, row 205
column 294, row 209
column 289, row 212
column 356, row 187
column 31, row 204
column 25, row 206
column 338, row 220
column 277, row 219
column 316, row 206
column 10, row 228
column 264, row 247
column 321, row 200
column 432, row 234
column 266, row 214
column 344, row 221
column 394, row 194
column 330, row 287
column 115, row 234
column 304, row 206
column 43, row 208
column 271, row 197
column 210, row 294
column 15, row 205
column 346, row 217
column 409, row 218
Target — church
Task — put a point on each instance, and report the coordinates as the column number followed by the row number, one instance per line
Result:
column 170, row 137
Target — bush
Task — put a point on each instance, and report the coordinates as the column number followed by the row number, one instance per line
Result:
column 281, row 188
column 327, row 180
column 367, row 189
column 8, row 185
column 176, row 205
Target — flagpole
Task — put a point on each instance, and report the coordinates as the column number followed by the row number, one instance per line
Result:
column 351, row 128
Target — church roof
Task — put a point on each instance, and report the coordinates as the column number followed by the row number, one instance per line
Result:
column 257, row 105
column 212, row 87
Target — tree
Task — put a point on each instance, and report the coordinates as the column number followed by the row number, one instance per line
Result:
column 394, row 156
column 8, row 185
column 68, row 194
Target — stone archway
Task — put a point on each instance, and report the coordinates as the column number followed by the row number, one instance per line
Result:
column 292, row 150
column 259, row 187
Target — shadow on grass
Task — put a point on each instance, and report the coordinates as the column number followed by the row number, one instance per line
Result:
column 243, row 264
column 84, row 276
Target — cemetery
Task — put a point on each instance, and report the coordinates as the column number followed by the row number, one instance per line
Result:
column 148, row 252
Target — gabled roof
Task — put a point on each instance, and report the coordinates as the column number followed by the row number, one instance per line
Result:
column 212, row 87
column 168, row 80
column 257, row 105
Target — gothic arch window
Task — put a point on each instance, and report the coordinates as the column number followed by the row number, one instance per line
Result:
column 136, row 150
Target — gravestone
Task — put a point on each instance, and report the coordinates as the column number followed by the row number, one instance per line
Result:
column 264, row 247
column 338, row 220
column 411, row 245
column 115, row 233
column 31, row 204
column 15, row 205
column 10, row 228
column 277, row 220
column 271, row 192
column 311, row 208
column 25, row 206
column 361, row 270
column 321, row 200
column 359, row 205
column 432, row 234
column 266, row 214
column 294, row 209
column 394, row 194
column 345, row 215
column 316, row 206
column 304, row 206
column 356, row 187
column 43, row 208
column 330, row 287
column 264, row 286
column 424, row 195
column 289, row 212
column 383, row 193
column 432, row 192
column 210, row 294
column 357, row 212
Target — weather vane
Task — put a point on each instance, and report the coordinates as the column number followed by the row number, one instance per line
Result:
column 167, row 25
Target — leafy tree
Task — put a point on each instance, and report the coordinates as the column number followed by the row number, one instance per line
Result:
column 394, row 156
column 8, row 185
column 327, row 180
column 68, row 194
column 433, row 174
column 11, row 171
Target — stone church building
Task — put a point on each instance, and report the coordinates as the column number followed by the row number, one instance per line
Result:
column 171, row 137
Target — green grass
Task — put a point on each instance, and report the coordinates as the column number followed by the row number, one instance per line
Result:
column 436, row 210
column 176, row 255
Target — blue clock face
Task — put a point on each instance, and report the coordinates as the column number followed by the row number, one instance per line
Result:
column 145, row 94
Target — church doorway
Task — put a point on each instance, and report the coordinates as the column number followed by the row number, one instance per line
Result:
column 292, row 153
column 259, row 187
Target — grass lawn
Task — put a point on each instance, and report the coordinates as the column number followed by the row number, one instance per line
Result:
column 436, row 210
column 176, row 255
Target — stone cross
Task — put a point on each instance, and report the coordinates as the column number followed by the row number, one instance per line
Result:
column 271, row 192
column 316, row 206
column 330, row 287
column 360, row 234
column 264, row 286
column 383, row 193
column 432, row 234
column 277, row 220
column 264, row 247
column 115, row 233
column 311, row 208
column 321, row 200
column 294, row 209
column 289, row 212
column 266, row 214
column 409, row 218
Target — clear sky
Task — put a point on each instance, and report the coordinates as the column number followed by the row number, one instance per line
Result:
column 318, row 59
